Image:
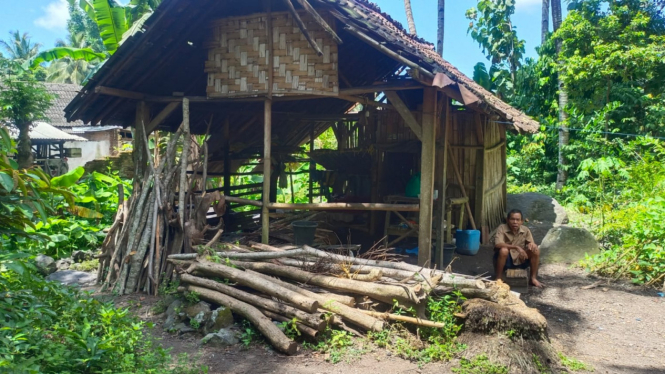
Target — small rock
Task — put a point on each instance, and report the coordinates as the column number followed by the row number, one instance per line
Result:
column 182, row 328
column 200, row 312
column 80, row 256
column 73, row 278
column 63, row 263
column 173, row 315
column 220, row 318
column 45, row 264
column 222, row 338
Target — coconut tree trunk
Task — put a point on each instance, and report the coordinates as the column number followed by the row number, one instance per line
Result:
column 564, row 135
column 24, row 147
column 545, row 21
column 440, row 31
column 409, row 17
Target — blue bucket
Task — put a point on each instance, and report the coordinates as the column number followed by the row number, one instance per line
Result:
column 467, row 242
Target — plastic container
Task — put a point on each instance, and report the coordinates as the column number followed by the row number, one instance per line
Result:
column 467, row 242
column 448, row 251
column 303, row 232
column 413, row 186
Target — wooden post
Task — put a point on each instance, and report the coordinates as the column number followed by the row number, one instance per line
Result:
column 182, row 189
column 312, row 164
column 480, row 173
column 441, row 230
column 227, row 157
column 267, row 164
column 427, row 177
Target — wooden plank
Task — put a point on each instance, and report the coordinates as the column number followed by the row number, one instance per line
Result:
column 312, row 164
column 406, row 114
column 102, row 90
column 428, row 138
column 226, row 133
column 267, row 165
column 348, row 206
column 161, row 116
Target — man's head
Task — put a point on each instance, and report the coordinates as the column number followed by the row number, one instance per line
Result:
column 514, row 219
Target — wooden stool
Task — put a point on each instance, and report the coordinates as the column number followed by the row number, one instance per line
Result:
column 516, row 276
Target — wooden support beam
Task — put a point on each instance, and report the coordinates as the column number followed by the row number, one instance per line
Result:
column 406, row 114
column 161, row 116
column 428, row 138
column 317, row 17
column 226, row 133
column 312, row 164
column 120, row 93
column 441, row 238
column 267, row 165
column 480, row 172
column 364, row 101
column 302, row 27
column 348, row 206
column 403, row 84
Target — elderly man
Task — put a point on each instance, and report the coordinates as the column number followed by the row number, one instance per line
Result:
column 514, row 248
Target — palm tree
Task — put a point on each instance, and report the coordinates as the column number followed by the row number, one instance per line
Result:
column 19, row 47
column 409, row 17
column 440, row 31
column 68, row 69
column 564, row 134
column 545, row 21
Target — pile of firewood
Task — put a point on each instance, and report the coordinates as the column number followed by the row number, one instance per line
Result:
column 319, row 289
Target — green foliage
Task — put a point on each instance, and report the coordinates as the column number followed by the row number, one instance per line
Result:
column 573, row 364
column 290, row 328
column 85, row 54
column 335, row 343
column 250, row 334
column 479, row 365
column 51, row 328
column 542, row 369
column 192, row 297
column 492, row 28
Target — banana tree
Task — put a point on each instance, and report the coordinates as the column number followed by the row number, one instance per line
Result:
column 115, row 22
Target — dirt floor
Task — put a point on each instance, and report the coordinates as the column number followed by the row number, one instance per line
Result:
column 614, row 327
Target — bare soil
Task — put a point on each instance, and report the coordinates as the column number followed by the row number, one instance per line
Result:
column 614, row 327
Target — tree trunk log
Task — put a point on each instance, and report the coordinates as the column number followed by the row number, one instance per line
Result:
column 312, row 333
column 314, row 320
column 245, row 256
column 412, row 320
column 350, row 314
column 385, row 293
column 274, row 335
column 298, row 300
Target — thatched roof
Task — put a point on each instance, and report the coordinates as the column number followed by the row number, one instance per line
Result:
column 169, row 56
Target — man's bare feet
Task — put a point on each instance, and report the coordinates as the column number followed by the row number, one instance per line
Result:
column 534, row 282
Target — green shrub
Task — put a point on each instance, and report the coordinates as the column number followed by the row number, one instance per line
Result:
column 50, row 328
column 479, row 365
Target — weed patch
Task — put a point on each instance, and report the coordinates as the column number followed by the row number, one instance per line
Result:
column 479, row 365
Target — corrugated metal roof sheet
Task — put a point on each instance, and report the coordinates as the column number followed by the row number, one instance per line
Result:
column 44, row 131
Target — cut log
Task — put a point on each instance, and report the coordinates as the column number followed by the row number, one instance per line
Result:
column 412, row 320
column 351, row 315
column 312, row 333
column 271, row 332
column 296, row 299
column 314, row 320
column 386, row 293
column 245, row 256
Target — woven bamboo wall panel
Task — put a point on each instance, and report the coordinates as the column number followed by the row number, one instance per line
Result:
column 239, row 57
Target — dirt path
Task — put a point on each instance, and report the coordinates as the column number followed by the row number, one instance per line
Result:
column 616, row 328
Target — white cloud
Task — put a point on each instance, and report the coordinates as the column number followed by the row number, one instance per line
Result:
column 55, row 16
column 527, row 4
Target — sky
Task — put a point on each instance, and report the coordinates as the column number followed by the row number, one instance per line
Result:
column 46, row 21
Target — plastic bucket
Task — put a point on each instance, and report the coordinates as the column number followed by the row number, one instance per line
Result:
column 303, row 232
column 467, row 242
column 448, row 251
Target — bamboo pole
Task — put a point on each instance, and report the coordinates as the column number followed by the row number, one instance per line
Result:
column 427, row 176
column 461, row 185
column 348, row 206
column 397, row 317
column 267, row 164
column 183, row 160
column 441, row 238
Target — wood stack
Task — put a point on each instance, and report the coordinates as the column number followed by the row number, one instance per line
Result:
column 267, row 283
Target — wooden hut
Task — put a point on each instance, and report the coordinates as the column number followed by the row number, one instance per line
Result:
column 265, row 77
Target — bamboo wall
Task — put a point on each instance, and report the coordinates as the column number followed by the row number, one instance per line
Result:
column 239, row 57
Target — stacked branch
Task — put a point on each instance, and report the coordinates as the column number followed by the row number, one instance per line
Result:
column 276, row 284
column 164, row 215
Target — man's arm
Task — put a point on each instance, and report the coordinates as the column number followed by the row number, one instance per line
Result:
column 499, row 240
